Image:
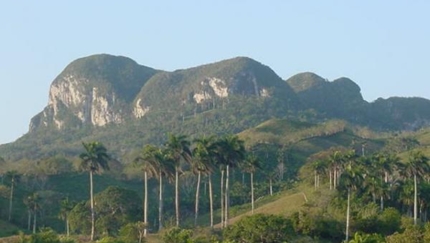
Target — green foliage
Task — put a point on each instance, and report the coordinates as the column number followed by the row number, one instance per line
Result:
column 260, row 228
column 317, row 225
column 114, row 208
column 109, row 239
column 177, row 235
column 367, row 238
column 46, row 235
column 132, row 232
column 412, row 234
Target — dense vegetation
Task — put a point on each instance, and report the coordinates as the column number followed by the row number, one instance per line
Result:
column 305, row 164
column 207, row 181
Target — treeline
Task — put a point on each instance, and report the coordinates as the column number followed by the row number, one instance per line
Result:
column 199, row 176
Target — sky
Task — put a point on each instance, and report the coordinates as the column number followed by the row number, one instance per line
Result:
column 383, row 46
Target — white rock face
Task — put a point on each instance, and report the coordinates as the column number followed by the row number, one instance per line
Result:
column 200, row 97
column 264, row 93
column 101, row 111
column 86, row 104
column 219, row 87
column 139, row 109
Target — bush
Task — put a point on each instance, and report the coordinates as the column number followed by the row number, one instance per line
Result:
column 260, row 228
column 177, row 235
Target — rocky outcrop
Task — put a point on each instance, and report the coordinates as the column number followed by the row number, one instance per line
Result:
column 95, row 90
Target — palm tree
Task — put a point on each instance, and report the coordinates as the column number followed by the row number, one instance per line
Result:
column 250, row 165
column 271, row 175
column 65, row 207
column 231, row 150
column 165, row 166
column 319, row 167
column 14, row 178
column 33, row 202
column 93, row 160
column 203, row 162
column 179, row 147
column 351, row 178
column 335, row 161
column 385, row 165
column 417, row 167
column 146, row 160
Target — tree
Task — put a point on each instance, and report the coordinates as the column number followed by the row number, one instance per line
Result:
column 148, row 163
column 250, row 165
column 178, row 146
column 164, row 162
column 351, row 179
column 319, row 167
column 14, row 177
column 385, row 164
column 231, row 151
column 93, row 160
column 66, row 207
column 417, row 167
column 203, row 162
column 116, row 207
column 260, row 228
column 33, row 204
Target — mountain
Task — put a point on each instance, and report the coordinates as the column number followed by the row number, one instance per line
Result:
column 94, row 90
column 125, row 105
column 340, row 98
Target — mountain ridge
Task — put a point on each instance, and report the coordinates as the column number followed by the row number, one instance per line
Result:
column 107, row 97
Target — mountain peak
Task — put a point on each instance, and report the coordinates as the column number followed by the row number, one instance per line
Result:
column 303, row 81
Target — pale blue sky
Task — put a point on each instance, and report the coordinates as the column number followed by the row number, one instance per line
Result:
column 382, row 45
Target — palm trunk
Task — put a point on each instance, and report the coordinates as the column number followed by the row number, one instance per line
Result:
column 196, row 211
column 145, row 202
column 29, row 220
column 270, row 187
column 334, row 178
column 415, row 200
column 331, row 179
column 222, row 198
column 34, row 221
column 211, row 201
column 252, row 193
column 177, row 195
column 92, row 207
column 67, row 227
column 315, row 179
column 382, row 203
column 227, row 191
column 347, row 216
column 11, row 198
column 160, row 204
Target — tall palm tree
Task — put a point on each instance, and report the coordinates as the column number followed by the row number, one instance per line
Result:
column 319, row 167
column 385, row 164
column 33, row 202
column 352, row 177
column 417, row 167
column 179, row 147
column 146, row 160
column 65, row 207
column 165, row 169
column 335, row 162
column 231, row 150
column 14, row 177
column 93, row 160
column 250, row 165
column 203, row 162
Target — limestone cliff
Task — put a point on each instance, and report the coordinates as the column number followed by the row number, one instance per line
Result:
column 95, row 90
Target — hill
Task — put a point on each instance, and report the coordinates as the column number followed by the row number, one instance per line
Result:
column 126, row 105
